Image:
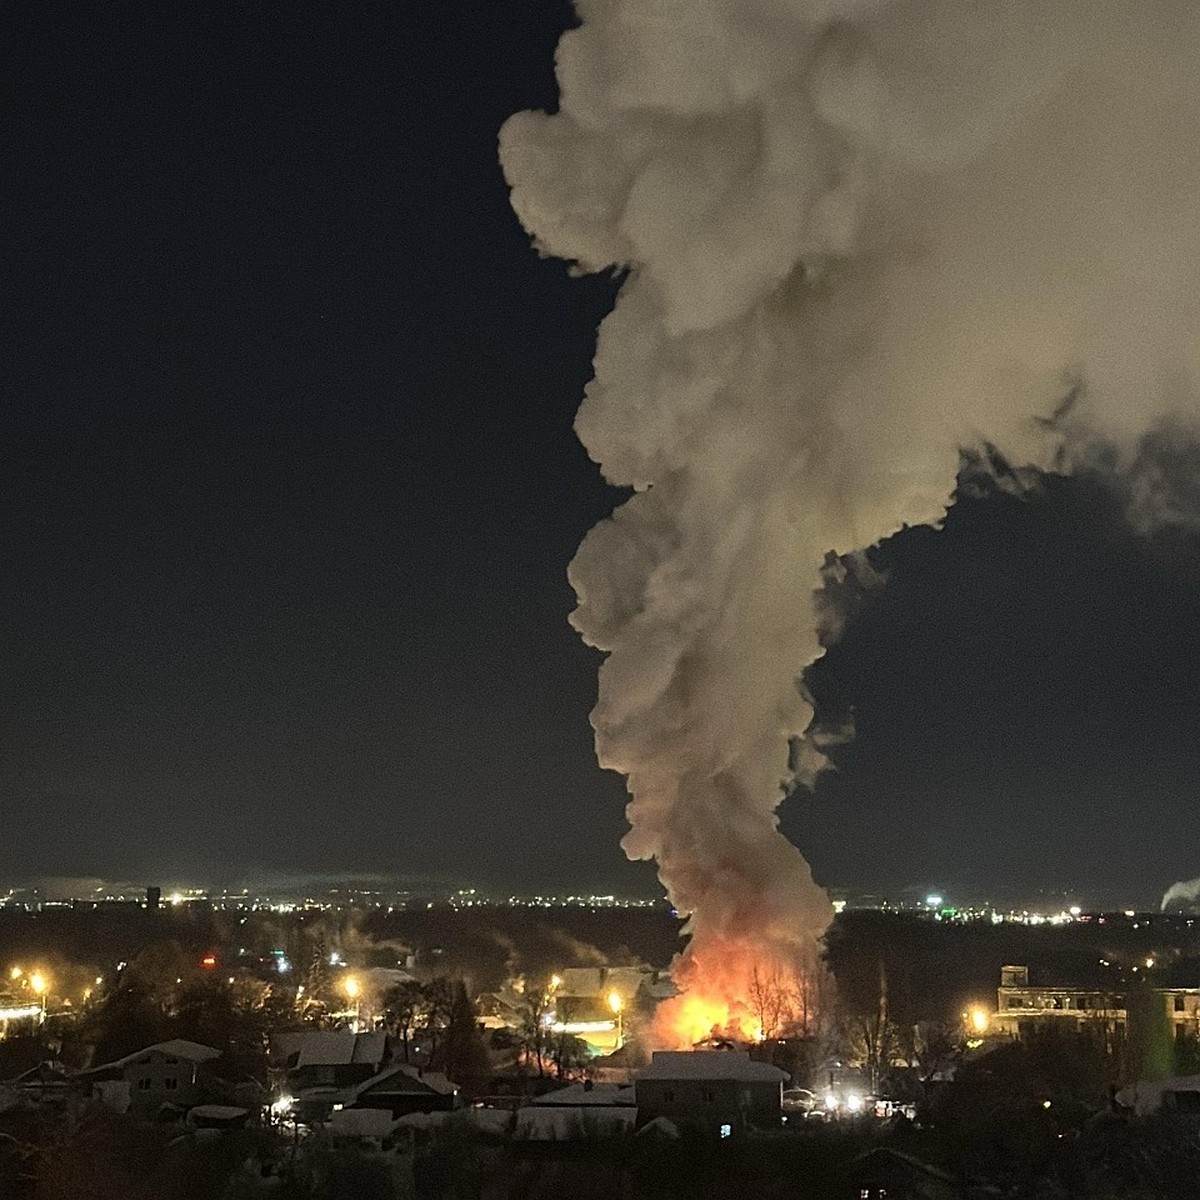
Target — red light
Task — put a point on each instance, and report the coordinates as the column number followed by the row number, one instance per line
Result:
column 208, row 961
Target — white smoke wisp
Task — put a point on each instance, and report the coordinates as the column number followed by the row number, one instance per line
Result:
column 1184, row 895
column 860, row 235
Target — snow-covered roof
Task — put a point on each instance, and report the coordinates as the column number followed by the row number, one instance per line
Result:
column 175, row 1048
column 710, row 1064
column 599, row 981
column 338, row 1047
column 404, row 1078
column 578, row 1095
column 1146, row 1096
column 534, row 1124
column 216, row 1112
column 419, row 1120
column 361, row 1122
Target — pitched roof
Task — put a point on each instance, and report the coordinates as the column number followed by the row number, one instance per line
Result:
column 570, row 1124
column 403, row 1078
column 599, row 981
column 580, row 1096
column 338, row 1047
column 361, row 1122
column 175, row 1048
column 710, row 1064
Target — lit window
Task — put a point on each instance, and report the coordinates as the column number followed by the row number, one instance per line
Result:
column 726, row 1131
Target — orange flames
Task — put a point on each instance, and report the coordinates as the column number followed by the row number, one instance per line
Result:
column 734, row 993
column 686, row 1020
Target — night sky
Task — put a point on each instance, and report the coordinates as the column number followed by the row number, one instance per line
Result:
column 289, row 488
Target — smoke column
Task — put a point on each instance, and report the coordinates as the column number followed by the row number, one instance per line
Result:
column 860, row 236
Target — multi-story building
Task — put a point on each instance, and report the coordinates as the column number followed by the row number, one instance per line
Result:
column 1022, row 1009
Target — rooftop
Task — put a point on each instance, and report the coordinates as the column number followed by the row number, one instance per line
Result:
column 711, row 1064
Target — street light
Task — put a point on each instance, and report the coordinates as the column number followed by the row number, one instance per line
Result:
column 979, row 1019
column 352, row 991
column 37, row 981
column 618, row 1006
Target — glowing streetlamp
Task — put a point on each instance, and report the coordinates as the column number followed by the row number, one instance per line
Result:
column 353, row 990
column 978, row 1019
column 37, row 981
column 618, row 1007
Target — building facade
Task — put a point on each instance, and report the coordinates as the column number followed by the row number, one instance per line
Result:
column 717, row 1092
column 1023, row 1009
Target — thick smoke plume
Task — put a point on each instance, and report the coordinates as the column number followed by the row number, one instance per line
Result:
column 860, row 236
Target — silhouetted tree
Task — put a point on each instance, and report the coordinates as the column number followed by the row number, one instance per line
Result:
column 533, row 1028
column 466, row 1056
column 438, row 1002
column 402, row 1008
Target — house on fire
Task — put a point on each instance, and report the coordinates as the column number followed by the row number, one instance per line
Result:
column 720, row 1092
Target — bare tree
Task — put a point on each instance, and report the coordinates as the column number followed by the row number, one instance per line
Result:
column 533, row 1013
column 402, row 1007
column 436, row 1010
column 872, row 1037
column 772, row 995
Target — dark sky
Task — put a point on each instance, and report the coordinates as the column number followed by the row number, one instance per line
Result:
column 289, row 486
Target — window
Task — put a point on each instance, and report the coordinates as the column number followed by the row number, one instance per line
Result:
column 1179, row 1005
column 171, row 1083
column 726, row 1131
column 144, row 1084
column 709, row 1095
column 172, row 1061
column 668, row 1096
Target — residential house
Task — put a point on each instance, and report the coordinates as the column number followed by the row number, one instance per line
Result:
column 887, row 1174
column 401, row 1089
column 580, row 1112
column 176, row 1073
column 335, row 1058
column 720, row 1092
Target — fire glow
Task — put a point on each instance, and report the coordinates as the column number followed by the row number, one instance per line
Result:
column 734, row 996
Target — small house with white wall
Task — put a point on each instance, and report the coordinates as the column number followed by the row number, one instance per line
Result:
column 717, row 1092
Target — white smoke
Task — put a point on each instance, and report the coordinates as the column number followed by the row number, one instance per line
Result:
column 861, row 235
column 1184, row 895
